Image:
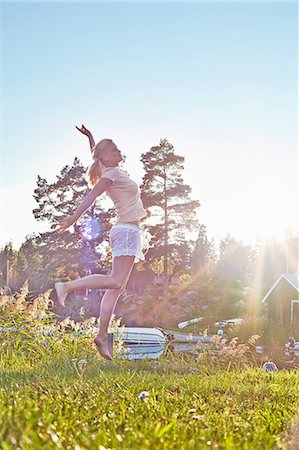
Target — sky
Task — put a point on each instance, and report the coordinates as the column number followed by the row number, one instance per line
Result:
column 218, row 80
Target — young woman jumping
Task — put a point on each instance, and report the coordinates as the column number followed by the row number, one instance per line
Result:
column 104, row 175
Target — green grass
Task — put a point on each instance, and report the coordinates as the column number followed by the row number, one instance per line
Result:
column 190, row 406
column 48, row 400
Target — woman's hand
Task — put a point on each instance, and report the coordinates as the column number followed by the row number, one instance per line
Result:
column 87, row 133
column 84, row 130
column 64, row 224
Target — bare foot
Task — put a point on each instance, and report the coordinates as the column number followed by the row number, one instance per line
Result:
column 102, row 345
column 61, row 293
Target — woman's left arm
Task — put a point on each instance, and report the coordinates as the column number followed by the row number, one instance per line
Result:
column 102, row 185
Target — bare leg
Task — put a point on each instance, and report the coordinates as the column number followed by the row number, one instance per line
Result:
column 116, row 280
column 108, row 305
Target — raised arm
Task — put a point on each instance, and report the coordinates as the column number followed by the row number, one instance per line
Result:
column 87, row 133
column 99, row 188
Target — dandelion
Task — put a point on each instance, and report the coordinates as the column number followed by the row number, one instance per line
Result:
column 143, row 395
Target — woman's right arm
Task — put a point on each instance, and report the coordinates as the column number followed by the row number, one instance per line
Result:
column 87, row 133
column 102, row 185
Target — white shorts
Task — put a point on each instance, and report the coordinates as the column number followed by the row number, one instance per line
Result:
column 126, row 240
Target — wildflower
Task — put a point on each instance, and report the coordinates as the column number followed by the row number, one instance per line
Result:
column 192, row 410
column 259, row 349
column 143, row 395
column 54, row 437
column 82, row 361
column 270, row 366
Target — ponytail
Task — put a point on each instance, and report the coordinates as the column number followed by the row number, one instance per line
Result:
column 96, row 169
column 94, row 173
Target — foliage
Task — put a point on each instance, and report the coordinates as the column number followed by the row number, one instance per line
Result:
column 21, row 322
column 212, row 298
column 46, row 258
column 235, row 261
column 232, row 354
column 270, row 262
column 59, row 199
column 7, row 257
column 166, row 196
column 171, row 210
column 50, row 256
column 30, row 333
column 204, row 254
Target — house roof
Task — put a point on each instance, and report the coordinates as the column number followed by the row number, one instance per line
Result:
column 291, row 278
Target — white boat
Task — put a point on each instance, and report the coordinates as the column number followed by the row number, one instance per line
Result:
column 151, row 343
column 140, row 343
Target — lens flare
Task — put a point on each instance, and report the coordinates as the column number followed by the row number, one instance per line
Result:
column 91, row 229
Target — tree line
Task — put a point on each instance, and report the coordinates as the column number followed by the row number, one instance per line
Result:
column 178, row 243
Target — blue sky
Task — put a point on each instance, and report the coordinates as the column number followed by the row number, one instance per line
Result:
column 218, row 80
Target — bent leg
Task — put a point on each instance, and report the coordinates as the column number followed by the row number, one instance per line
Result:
column 121, row 268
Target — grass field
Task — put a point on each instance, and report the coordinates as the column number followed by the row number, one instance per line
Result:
column 57, row 393
column 92, row 404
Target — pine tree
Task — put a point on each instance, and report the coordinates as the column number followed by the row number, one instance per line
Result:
column 204, row 252
column 235, row 261
column 167, row 199
column 7, row 258
column 61, row 255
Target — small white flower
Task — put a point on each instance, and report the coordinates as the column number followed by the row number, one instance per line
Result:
column 143, row 394
column 54, row 437
column 192, row 410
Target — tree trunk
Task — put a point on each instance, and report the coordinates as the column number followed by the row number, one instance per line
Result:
column 165, row 259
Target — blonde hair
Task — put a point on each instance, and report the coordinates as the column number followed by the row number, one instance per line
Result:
column 96, row 169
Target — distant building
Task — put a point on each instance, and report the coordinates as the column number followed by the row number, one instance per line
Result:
column 282, row 301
